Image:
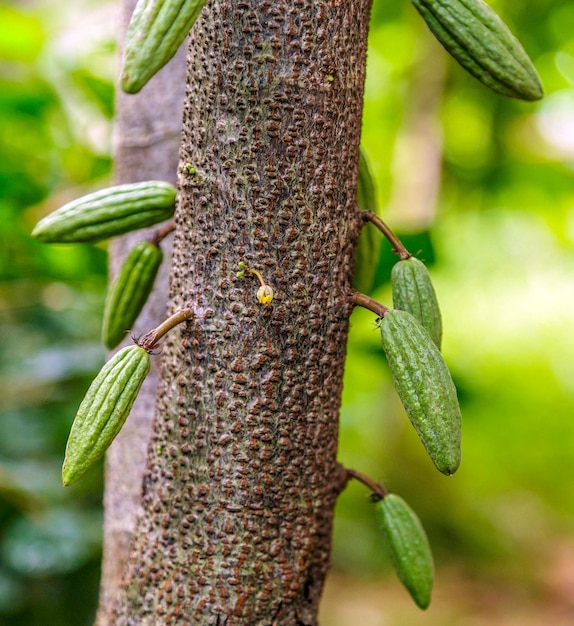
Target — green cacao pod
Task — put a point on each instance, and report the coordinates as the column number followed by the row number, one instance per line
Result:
column 155, row 32
column 108, row 213
column 413, row 291
column 104, row 410
column 369, row 243
column 425, row 387
column 130, row 291
column 409, row 547
column 482, row 43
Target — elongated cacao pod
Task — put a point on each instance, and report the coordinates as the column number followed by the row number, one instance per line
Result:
column 425, row 387
column 130, row 291
column 482, row 43
column 369, row 243
column 409, row 547
column 108, row 213
column 155, row 32
column 414, row 292
column 104, row 410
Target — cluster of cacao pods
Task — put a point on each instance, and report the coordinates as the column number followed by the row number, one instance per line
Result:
column 156, row 30
column 428, row 394
column 411, row 332
column 109, row 213
column 102, row 215
column 411, row 335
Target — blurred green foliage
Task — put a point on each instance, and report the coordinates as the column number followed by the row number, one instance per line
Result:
column 50, row 311
column 499, row 237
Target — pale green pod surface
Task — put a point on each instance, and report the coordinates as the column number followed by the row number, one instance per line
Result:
column 366, row 195
column 414, row 292
column 130, row 291
column 409, row 547
column 482, row 43
column 108, row 213
column 155, row 32
column 104, row 410
column 425, row 387
column 369, row 243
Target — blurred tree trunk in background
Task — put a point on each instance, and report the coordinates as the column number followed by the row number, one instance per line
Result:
column 241, row 478
column 147, row 136
column 417, row 159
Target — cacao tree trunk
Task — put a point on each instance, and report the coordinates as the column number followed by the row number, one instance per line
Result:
column 241, row 475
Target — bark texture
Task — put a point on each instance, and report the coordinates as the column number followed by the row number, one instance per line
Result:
column 147, row 140
column 241, row 477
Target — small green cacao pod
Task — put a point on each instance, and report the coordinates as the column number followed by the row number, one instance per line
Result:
column 155, row 32
column 409, row 547
column 104, row 410
column 130, row 291
column 482, row 43
column 413, row 291
column 108, row 213
column 425, row 387
column 369, row 243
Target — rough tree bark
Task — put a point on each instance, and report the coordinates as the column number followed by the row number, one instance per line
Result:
column 241, row 475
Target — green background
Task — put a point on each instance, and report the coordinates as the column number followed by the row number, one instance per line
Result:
column 498, row 236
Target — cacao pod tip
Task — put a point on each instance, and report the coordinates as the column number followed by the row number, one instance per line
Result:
column 39, row 234
column 128, row 86
column 450, row 468
column 536, row 94
column 448, row 464
column 423, row 602
column 69, row 477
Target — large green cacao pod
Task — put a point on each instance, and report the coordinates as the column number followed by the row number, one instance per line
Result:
column 104, row 410
column 108, row 213
column 409, row 547
column 414, row 292
column 369, row 243
column 130, row 291
column 155, row 32
column 425, row 387
column 482, row 43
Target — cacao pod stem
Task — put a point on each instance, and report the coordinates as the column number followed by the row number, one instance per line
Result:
column 398, row 247
column 150, row 339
